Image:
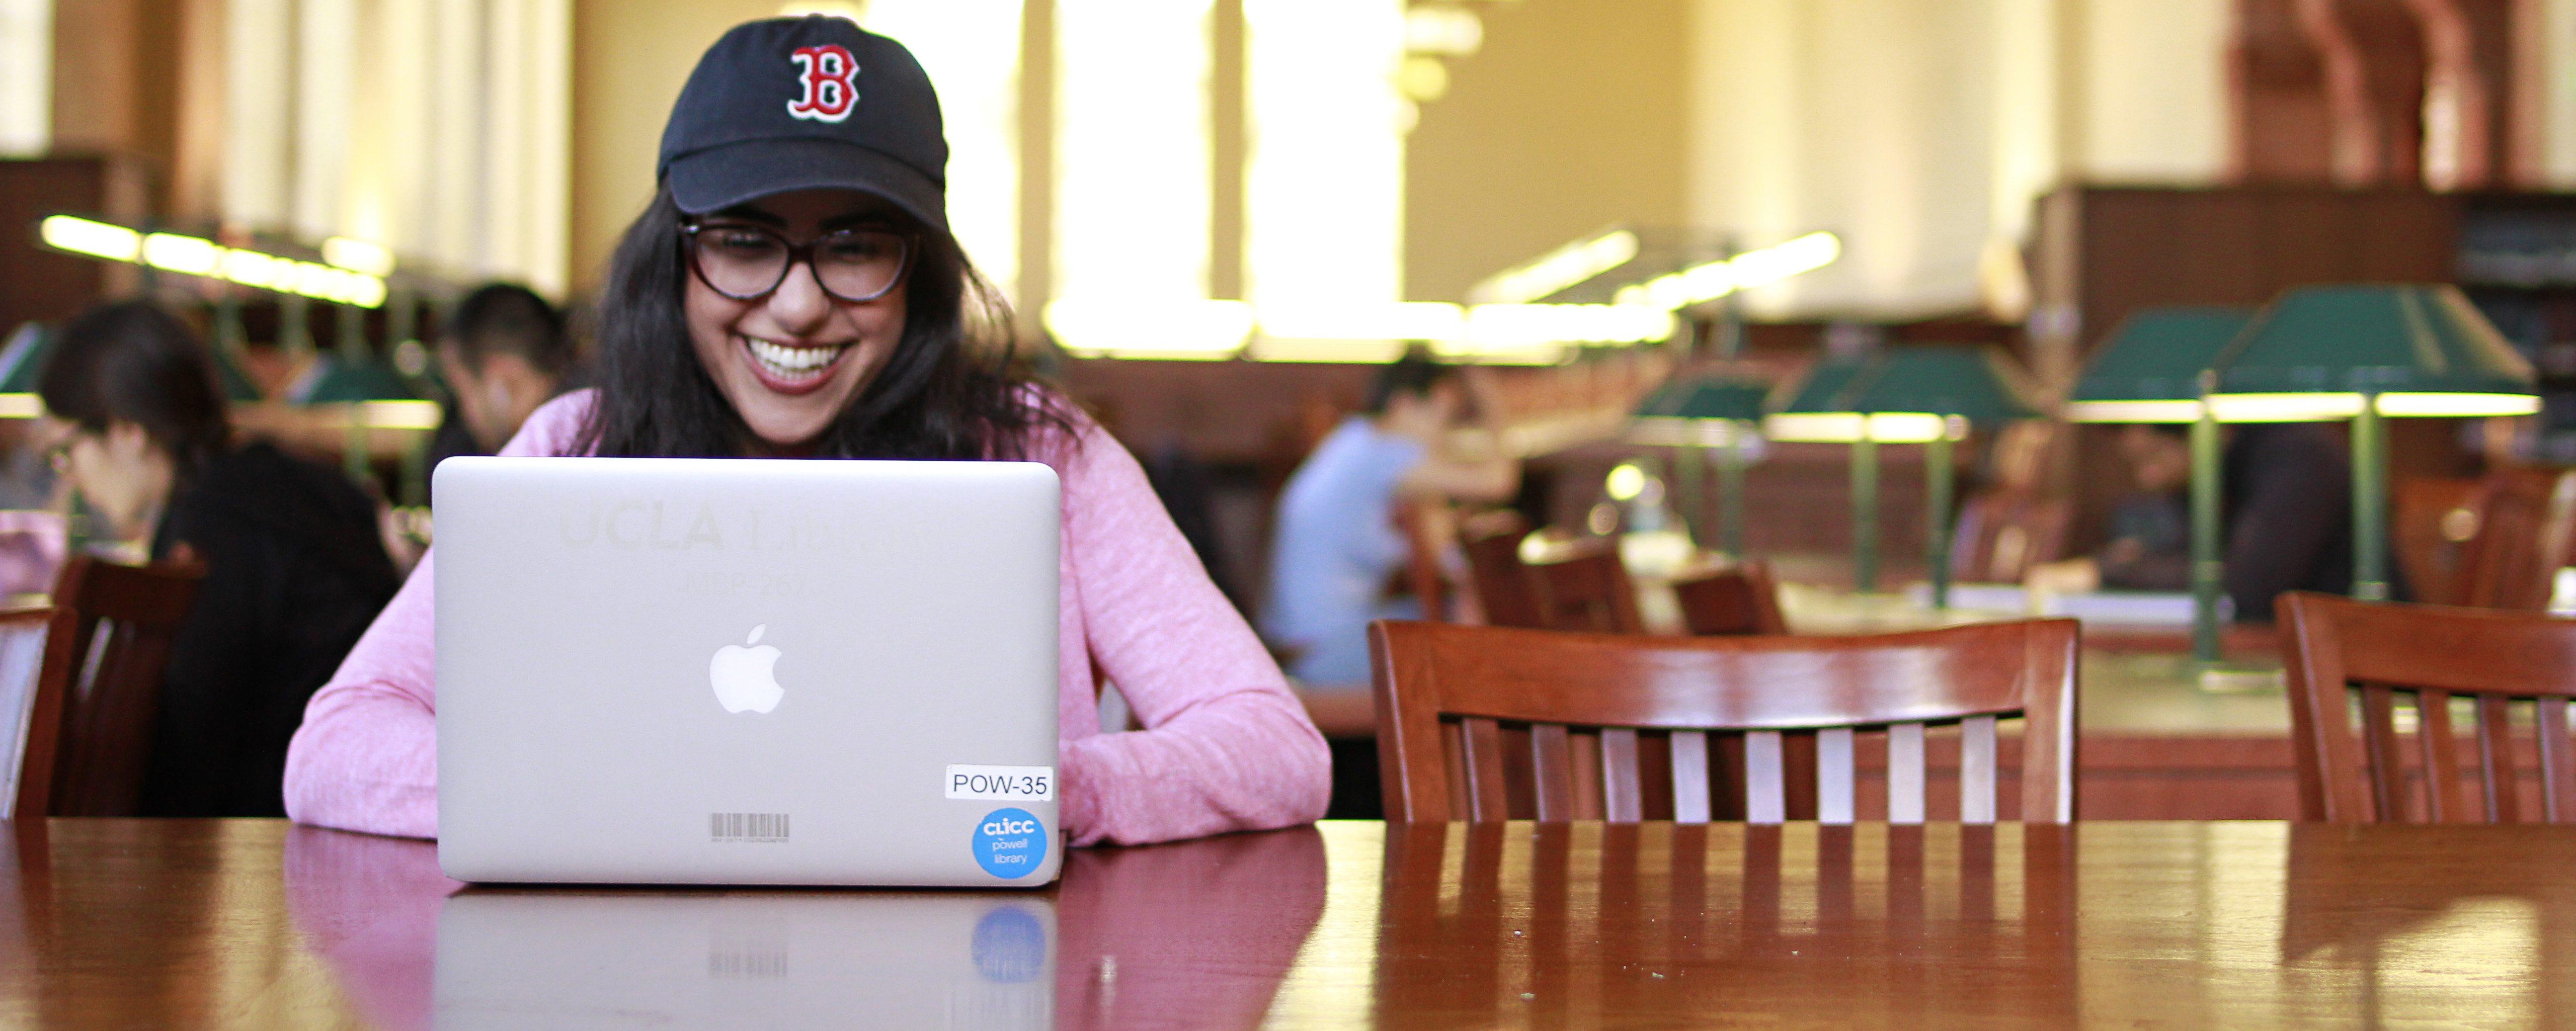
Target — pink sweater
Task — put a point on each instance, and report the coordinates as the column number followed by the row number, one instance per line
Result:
column 1226, row 746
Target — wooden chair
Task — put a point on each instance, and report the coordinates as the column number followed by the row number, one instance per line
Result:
column 1492, row 543
column 1583, row 585
column 1738, row 599
column 31, row 707
column 1467, row 716
column 2494, row 661
column 2523, row 522
column 103, row 661
column 2002, row 534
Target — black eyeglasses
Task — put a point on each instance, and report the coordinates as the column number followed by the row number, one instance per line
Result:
column 747, row 262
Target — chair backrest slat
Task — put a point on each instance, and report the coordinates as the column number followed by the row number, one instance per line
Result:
column 2557, row 764
column 2489, row 659
column 1835, row 771
column 1579, row 726
column 1690, row 776
column 1765, row 797
column 1622, row 779
column 2495, row 759
column 2379, row 740
column 2441, row 756
column 1905, row 774
column 1552, row 766
column 1977, row 770
column 121, row 621
column 1485, row 770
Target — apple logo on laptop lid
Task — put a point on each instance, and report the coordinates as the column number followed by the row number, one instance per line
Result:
column 744, row 675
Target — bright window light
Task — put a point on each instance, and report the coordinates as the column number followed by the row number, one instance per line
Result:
column 188, row 255
column 21, row 406
column 1337, row 352
column 1324, row 152
column 1131, row 153
column 1426, row 320
column 183, row 254
column 1446, row 31
column 374, row 259
column 971, row 48
column 1521, row 325
column 96, row 239
column 1756, row 268
column 1192, row 331
column 1556, row 270
column 2133, row 411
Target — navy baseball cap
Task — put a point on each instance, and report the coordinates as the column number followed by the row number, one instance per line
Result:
column 806, row 103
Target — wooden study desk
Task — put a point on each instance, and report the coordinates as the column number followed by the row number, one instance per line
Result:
column 118, row 923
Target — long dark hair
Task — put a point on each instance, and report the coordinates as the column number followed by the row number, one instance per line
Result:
column 133, row 361
column 950, row 390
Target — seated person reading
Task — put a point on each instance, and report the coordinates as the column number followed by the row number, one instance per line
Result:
column 294, row 568
column 1336, row 543
column 2287, row 504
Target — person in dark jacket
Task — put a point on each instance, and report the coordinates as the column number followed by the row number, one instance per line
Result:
column 295, row 570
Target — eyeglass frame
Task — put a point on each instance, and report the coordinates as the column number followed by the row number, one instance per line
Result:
column 797, row 254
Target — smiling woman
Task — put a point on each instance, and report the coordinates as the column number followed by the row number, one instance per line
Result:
column 794, row 291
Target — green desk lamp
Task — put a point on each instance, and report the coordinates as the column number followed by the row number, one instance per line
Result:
column 2152, row 369
column 1694, row 413
column 1813, row 414
column 2368, row 353
column 1930, row 394
column 376, row 396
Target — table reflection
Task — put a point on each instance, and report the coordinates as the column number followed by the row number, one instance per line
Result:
column 1550, row 924
column 1197, row 934
column 553, row 959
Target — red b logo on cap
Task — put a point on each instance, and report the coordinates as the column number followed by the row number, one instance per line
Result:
column 829, row 93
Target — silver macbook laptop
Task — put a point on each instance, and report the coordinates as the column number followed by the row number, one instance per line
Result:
column 694, row 671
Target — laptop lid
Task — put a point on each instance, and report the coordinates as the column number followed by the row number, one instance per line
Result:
column 747, row 671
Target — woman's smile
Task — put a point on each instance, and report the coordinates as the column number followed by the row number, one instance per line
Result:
column 791, row 368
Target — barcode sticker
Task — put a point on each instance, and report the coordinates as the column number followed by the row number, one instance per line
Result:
column 1003, row 783
column 754, row 827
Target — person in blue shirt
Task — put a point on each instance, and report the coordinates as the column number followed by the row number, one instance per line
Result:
column 1336, row 543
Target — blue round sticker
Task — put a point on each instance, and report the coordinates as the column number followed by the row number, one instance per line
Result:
column 1010, row 946
column 1010, row 843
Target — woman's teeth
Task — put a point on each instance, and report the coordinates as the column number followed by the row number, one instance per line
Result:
column 792, row 362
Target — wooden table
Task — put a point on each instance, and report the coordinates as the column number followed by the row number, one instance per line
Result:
column 109, row 923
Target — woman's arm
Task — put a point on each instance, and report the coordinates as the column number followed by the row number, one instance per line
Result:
column 366, row 758
column 1226, row 746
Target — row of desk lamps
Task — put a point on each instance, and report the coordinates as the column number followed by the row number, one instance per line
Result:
column 2361, row 353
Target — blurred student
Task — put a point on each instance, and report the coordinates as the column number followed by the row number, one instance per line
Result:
column 294, row 569
column 2287, row 504
column 504, row 352
column 1336, row 544
column 793, row 291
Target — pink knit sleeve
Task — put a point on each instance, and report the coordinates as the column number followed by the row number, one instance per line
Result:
column 366, row 758
column 1225, row 747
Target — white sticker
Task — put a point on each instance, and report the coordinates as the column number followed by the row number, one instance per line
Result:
column 1005, row 783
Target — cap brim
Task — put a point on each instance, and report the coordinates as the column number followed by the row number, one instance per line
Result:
column 721, row 177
